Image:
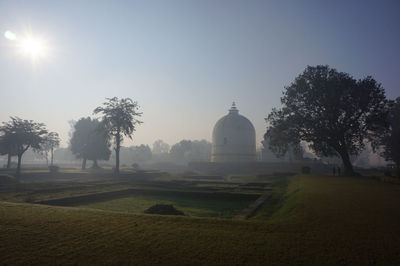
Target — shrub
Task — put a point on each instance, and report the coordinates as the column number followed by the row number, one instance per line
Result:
column 397, row 172
column 305, row 170
column 54, row 168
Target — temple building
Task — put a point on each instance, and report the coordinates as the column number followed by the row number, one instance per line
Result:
column 233, row 139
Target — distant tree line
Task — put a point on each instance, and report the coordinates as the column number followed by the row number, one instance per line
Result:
column 333, row 113
column 90, row 141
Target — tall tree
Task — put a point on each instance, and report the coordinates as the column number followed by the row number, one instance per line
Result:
column 52, row 141
column 89, row 141
column 331, row 111
column 23, row 134
column 120, row 119
column 390, row 140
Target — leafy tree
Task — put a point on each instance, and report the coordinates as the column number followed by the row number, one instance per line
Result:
column 201, row 150
column 7, row 147
column 52, row 141
column 331, row 111
column 119, row 119
column 390, row 140
column 141, row 153
column 22, row 135
column 180, row 152
column 159, row 146
column 90, row 141
column 187, row 150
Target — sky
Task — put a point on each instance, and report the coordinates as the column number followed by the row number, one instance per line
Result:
column 185, row 62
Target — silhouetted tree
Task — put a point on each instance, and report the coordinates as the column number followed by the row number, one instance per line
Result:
column 180, row 151
column 331, row 111
column 90, row 141
column 120, row 119
column 23, row 134
column 187, row 150
column 201, row 150
column 390, row 140
column 160, row 146
column 141, row 153
column 51, row 141
column 7, row 147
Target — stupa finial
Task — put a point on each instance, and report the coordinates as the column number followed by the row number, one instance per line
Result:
column 233, row 109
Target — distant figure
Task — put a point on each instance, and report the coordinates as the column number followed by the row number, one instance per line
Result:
column 334, row 170
column 338, row 170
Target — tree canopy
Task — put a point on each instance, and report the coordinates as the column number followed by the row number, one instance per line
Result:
column 89, row 141
column 22, row 135
column 329, row 110
column 119, row 117
column 187, row 150
column 159, row 146
column 51, row 141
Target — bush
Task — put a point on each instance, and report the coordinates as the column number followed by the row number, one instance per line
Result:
column 397, row 172
column 305, row 170
column 54, row 168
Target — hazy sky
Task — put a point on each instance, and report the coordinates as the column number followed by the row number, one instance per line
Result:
column 186, row 61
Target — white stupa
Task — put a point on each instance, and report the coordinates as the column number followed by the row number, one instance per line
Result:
column 233, row 139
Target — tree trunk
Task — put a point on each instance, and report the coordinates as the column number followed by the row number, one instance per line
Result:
column 117, row 148
column 84, row 164
column 19, row 165
column 9, row 161
column 348, row 167
column 51, row 156
column 95, row 165
column 117, row 159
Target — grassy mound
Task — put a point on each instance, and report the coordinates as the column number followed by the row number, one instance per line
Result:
column 163, row 209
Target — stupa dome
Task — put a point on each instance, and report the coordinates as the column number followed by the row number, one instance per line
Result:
column 233, row 138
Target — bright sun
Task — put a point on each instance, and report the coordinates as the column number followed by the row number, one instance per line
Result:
column 29, row 45
column 33, row 47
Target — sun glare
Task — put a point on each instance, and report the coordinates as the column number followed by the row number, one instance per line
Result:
column 33, row 47
column 28, row 45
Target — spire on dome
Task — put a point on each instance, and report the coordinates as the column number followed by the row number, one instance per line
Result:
column 233, row 109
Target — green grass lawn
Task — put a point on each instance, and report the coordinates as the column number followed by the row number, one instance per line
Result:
column 191, row 207
column 317, row 221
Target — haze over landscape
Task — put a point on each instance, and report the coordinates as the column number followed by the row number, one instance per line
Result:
column 199, row 132
column 185, row 61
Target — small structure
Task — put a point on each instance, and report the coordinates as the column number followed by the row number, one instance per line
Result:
column 233, row 139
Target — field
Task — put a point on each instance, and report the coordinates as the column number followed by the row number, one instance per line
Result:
column 315, row 220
